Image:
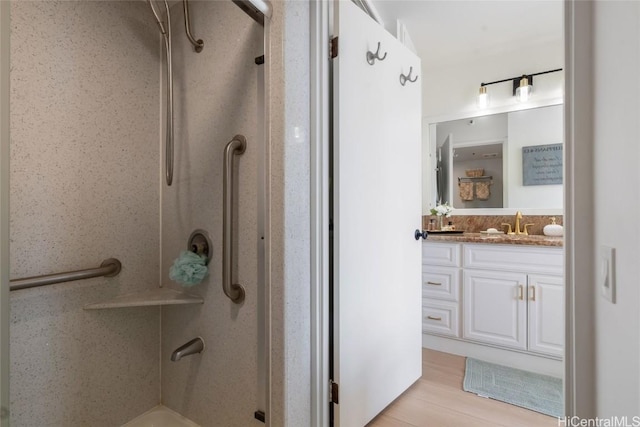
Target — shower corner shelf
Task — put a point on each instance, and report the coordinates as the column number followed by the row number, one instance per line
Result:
column 158, row 296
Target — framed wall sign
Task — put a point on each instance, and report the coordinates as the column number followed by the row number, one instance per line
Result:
column 542, row 164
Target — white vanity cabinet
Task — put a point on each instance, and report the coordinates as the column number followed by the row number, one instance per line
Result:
column 511, row 295
column 546, row 314
column 441, row 289
column 495, row 311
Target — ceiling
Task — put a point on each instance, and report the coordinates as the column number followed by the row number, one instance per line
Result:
column 448, row 32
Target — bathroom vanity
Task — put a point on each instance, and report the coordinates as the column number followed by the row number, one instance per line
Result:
column 498, row 298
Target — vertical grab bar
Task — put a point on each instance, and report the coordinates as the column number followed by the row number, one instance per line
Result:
column 233, row 290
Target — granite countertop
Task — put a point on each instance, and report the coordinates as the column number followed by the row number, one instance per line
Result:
column 501, row 239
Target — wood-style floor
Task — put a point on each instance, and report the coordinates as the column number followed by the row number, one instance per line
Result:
column 437, row 400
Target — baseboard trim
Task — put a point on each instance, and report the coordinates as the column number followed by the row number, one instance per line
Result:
column 527, row 362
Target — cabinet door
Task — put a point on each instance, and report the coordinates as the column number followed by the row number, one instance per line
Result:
column 546, row 314
column 494, row 308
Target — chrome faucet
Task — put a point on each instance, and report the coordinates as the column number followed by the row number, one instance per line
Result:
column 194, row 346
column 516, row 229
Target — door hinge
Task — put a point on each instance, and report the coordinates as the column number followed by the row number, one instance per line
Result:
column 333, row 47
column 334, row 392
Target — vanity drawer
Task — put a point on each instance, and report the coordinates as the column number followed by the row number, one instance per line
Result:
column 526, row 259
column 440, row 317
column 442, row 254
column 440, row 283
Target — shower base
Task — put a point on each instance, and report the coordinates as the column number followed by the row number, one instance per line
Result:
column 161, row 416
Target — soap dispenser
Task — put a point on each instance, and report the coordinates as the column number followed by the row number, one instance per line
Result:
column 553, row 229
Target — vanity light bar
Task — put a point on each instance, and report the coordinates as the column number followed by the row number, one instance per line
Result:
column 516, row 83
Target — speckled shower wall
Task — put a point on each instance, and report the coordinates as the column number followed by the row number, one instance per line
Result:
column 216, row 97
column 85, row 94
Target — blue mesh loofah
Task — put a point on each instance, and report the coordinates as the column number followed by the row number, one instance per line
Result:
column 188, row 269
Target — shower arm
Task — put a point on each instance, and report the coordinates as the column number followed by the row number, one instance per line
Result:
column 197, row 44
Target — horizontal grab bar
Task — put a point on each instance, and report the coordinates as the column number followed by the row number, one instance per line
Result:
column 109, row 268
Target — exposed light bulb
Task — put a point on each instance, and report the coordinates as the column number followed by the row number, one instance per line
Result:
column 523, row 92
column 483, row 97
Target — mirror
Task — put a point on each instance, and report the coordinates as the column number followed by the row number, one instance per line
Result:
column 507, row 160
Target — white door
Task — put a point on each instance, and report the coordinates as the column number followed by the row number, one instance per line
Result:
column 546, row 314
column 495, row 307
column 377, row 208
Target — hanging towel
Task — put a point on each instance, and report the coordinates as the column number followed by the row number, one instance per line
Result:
column 483, row 190
column 466, row 190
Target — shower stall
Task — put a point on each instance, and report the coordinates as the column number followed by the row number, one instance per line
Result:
column 120, row 119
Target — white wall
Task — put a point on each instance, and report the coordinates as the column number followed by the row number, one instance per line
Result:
column 454, row 89
column 616, row 133
column 525, row 129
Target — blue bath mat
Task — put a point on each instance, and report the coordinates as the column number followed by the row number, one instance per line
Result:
column 540, row 393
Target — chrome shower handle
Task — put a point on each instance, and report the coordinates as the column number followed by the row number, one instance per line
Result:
column 233, row 290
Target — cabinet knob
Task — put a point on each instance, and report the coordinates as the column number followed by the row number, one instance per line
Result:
column 434, row 318
column 420, row 233
column 521, row 292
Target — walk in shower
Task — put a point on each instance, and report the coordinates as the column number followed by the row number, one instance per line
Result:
column 112, row 159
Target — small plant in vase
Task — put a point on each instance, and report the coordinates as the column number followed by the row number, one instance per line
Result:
column 441, row 211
